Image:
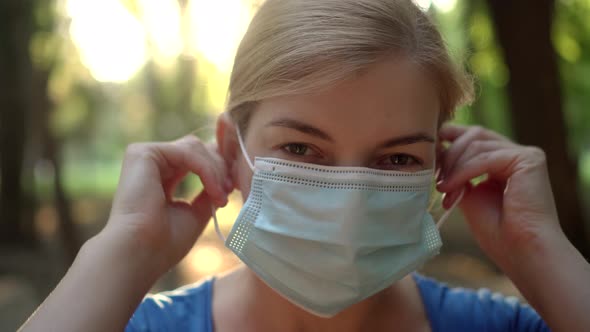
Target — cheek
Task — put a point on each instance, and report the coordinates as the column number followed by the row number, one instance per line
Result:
column 242, row 177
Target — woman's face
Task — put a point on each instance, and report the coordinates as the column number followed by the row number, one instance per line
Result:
column 385, row 118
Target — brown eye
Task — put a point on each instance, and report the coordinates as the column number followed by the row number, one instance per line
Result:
column 401, row 159
column 399, row 162
column 296, row 148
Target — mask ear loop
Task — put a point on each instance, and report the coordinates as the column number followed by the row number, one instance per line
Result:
column 217, row 229
column 433, row 201
column 243, row 148
column 447, row 213
column 213, row 209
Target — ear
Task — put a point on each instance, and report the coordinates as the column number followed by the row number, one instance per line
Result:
column 227, row 139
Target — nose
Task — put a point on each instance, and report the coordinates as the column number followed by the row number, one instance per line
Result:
column 352, row 159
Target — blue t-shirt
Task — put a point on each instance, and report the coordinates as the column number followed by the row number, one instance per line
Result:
column 188, row 308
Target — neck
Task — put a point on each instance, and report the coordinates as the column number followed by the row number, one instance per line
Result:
column 397, row 303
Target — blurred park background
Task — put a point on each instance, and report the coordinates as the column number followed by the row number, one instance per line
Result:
column 82, row 79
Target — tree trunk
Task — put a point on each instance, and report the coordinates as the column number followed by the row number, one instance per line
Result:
column 49, row 145
column 50, row 150
column 523, row 29
column 16, row 24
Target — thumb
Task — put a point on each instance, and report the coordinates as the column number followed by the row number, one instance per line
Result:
column 189, row 219
column 482, row 208
column 201, row 207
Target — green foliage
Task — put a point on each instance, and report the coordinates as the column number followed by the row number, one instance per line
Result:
column 571, row 36
column 482, row 56
column 96, row 121
column 469, row 32
column 69, row 116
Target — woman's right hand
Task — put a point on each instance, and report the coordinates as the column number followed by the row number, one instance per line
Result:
column 148, row 232
column 144, row 210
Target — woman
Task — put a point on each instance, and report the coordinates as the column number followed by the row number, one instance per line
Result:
column 332, row 133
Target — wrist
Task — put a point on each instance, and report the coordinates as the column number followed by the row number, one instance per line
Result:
column 533, row 249
column 122, row 257
column 534, row 266
column 109, row 277
column 553, row 280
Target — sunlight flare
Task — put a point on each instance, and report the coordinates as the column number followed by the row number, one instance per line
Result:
column 217, row 28
column 110, row 40
column 162, row 21
column 445, row 6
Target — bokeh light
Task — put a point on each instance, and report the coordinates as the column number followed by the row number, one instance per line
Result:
column 110, row 40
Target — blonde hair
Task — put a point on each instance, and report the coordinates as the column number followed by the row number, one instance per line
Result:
column 299, row 46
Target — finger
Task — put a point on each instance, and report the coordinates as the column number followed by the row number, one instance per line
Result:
column 201, row 208
column 461, row 142
column 190, row 219
column 222, row 166
column 219, row 165
column 209, row 152
column 449, row 198
column 498, row 164
column 189, row 156
column 140, row 175
column 217, row 162
column 480, row 208
column 472, row 150
column 199, row 149
column 450, row 132
column 171, row 184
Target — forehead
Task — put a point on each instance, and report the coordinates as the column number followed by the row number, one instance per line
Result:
column 390, row 96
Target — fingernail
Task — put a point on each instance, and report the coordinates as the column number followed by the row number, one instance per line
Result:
column 222, row 196
column 223, row 201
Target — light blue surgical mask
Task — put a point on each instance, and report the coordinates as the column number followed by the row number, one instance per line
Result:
column 327, row 237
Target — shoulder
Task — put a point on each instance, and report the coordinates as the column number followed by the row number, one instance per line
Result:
column 187, row 308
column 460, row 309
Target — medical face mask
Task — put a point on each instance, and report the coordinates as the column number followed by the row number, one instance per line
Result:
column 327, row 237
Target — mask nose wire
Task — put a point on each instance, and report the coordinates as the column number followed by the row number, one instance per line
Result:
column 213, row 209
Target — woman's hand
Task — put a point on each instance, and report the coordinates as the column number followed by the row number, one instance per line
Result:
column 144, row 210
column 511, row 213
column 513, row 217
column 147, row 233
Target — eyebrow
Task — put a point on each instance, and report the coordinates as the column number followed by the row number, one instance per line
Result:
column 301, row 127
column 407, row 140
column 313, row 131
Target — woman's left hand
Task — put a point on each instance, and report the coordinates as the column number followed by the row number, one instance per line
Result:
column 511, row 213
column 513, row 217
